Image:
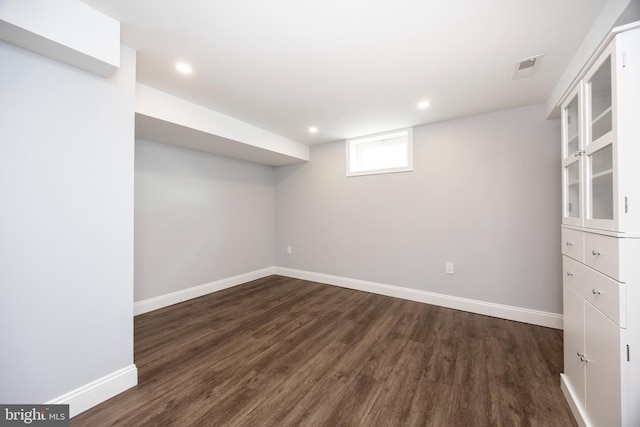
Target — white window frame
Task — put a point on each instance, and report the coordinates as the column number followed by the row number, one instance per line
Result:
column 352, row 144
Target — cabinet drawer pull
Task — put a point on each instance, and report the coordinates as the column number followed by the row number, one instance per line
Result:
column 568, row 243
column 596, row 291
column 570, row 274
column 595, row 252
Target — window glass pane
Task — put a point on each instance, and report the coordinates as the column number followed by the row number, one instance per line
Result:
column 390, row 152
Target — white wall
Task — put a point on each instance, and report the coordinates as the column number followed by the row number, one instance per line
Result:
column 485, row 194
column 199, row 218
column 66, row 225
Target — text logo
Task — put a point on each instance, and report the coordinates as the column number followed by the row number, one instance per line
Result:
column 34, row 415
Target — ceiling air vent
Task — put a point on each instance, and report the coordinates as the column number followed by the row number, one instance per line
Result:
column 527, row 67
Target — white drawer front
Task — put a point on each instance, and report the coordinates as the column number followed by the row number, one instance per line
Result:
column 602, row 253
column 604, row 293
column 573, row 243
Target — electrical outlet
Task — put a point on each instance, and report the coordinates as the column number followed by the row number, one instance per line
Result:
column 289, row 250
column 449, row 268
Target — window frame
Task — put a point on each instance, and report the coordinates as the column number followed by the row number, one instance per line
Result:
column 351, row 143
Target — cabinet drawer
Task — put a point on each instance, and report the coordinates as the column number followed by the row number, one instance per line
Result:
column 573, row 243
column 603, row 292
column 602, row 253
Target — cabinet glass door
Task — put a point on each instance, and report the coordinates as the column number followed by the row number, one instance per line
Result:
column 601, row 183
column 572, row 191
column 572, row 163
column 571, row 119
column 600, row 102
column 600, row 149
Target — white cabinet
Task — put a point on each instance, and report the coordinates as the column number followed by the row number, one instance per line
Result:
column 604, row 293
column 601, row 236
column 594, row 365
column 574, row 370
column 573, row 243
column 599, row 141
column 602, row 361
column 601, row 329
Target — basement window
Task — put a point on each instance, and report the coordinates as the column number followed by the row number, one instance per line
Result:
column 386, row 152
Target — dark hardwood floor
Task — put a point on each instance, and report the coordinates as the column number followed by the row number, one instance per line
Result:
column 286, row 352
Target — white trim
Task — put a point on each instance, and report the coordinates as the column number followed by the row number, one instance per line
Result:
column 576, row 410
column 166, row 300
column 96, row 392
column 519, row 314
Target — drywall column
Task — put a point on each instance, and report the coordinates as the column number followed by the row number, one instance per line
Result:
column 66, row 230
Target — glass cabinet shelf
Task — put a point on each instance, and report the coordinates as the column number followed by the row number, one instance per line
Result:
column 601, row 115
column 602, row 124
column 603, row 173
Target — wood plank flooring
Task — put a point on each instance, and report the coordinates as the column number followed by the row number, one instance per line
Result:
column 286, row 352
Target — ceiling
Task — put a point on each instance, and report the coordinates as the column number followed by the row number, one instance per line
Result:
column 351, row 67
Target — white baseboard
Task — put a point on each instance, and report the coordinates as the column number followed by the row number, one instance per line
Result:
column 578, row 414
column 166, row 300
column 96, row 392
column 519, row 314
column 525, row 315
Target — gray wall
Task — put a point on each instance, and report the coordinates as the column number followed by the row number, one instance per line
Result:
column 485, row 194
column 198, row 218
column 66, row 225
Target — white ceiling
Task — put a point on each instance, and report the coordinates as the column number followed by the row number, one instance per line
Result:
column 351, row 67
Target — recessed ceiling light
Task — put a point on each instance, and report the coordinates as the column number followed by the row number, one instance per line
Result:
column 184, row 68
column 313, row 129
column 423, row 104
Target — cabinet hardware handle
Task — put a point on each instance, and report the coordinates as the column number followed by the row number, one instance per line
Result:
column 595, row 252
column 570, row 274
column 579, row 153
column 596, row 291
column 568, row 243
column 584, row 359
column 580, row 354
